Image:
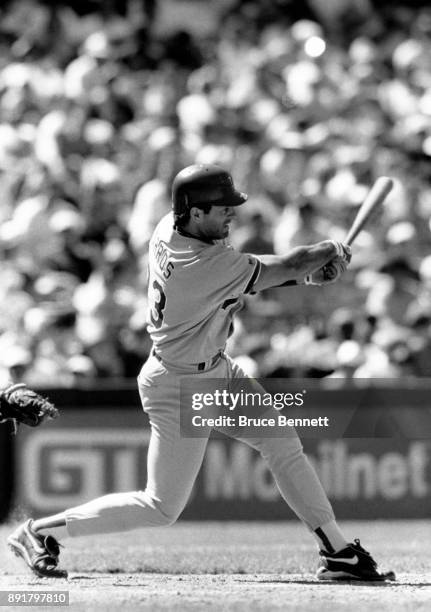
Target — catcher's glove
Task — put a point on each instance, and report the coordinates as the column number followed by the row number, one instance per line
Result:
column 20, row 404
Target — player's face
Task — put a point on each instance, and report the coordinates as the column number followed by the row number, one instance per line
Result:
column 216, row 223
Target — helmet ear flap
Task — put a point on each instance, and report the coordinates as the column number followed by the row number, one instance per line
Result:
column 180, row 206
column 180, row 199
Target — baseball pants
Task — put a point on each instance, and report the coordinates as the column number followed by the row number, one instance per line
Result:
column 173, row 463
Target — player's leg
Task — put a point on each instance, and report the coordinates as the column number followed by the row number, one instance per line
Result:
column 299, row 485
column 302, row 490
column 172, row 465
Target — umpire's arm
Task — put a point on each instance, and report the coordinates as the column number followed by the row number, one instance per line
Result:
column 277, row 270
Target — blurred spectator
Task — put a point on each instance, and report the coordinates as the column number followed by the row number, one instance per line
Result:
column 388, row 355
column 349, row 358
column 301, row 225
column 306, row 102
column 389, row 299
column 257, row 239
column 152, row 202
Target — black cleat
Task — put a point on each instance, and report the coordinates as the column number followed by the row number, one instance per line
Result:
column 39, row 552
column 351, row 563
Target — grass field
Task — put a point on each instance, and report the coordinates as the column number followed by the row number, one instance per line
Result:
column 232, row 567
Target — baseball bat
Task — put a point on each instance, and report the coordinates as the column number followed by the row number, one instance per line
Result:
column 375, row 198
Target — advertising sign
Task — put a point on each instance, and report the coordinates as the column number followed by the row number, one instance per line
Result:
column 90, row 452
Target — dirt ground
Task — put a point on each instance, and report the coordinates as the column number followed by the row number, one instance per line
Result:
column 229, row 566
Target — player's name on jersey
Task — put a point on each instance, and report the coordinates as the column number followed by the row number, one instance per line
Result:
column 161, row 255
column 243, row 421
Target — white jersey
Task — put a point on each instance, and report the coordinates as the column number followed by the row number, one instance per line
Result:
column 193, row 293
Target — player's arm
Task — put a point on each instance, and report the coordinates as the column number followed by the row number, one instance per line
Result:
column 298, row 264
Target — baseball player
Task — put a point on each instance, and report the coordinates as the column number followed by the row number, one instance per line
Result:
column 196, row 282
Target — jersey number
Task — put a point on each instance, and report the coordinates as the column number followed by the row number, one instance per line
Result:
column 156, row 313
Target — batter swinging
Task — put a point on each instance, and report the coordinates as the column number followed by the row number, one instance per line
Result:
column 195, row 283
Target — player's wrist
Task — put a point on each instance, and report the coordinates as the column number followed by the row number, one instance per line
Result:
column 288, row 283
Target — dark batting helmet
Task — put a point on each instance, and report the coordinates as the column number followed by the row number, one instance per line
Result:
column 204, row 184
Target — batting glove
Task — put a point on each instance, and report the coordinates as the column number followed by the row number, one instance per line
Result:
column 343, row 251
column 328, row 274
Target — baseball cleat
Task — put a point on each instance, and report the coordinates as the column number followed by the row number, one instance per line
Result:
column 351, row 563
column 39, row 552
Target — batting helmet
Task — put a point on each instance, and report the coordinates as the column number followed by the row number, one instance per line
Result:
column 204, row 184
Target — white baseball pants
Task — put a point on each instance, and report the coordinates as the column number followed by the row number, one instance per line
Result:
column 174, row 461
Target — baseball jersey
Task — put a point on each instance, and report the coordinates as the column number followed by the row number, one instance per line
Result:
column 193, row 293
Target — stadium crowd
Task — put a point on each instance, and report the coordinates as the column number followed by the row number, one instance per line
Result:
column 98, row 112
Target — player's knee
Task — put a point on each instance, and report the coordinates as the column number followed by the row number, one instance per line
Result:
column 282, row 447
column 278, row 453
column 170, row 520
column 168, row 513
column 156, row 511
column 168, row 516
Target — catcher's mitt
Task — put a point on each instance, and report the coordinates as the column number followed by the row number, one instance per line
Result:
column 20, row 404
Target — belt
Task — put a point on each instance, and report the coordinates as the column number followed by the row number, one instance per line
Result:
column 203, row 365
